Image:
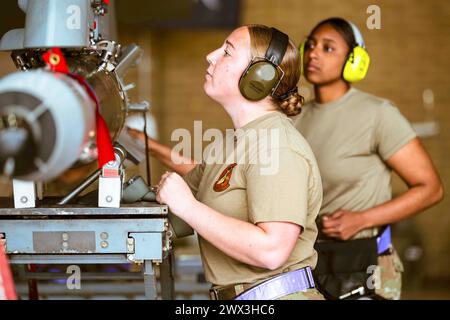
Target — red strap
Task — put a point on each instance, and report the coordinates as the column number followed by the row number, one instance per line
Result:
column 104, row 144
column 7, row 289
column 57, row 63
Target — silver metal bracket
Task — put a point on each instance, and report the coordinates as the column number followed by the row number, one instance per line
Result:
column 110, row 182
column 24, row 194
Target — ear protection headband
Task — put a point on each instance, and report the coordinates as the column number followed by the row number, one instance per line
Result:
column 358, row 60
column 263, row 75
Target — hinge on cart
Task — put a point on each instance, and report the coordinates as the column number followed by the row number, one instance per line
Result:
column 131, row 249
column 130, row 245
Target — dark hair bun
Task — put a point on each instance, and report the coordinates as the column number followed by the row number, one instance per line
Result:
column 292, row 104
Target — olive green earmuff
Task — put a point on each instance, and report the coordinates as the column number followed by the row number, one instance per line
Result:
column 301, row 50
column 263, row 75
column 358, row 61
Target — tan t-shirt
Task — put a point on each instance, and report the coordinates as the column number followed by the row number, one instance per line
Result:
column 352, row 138
column 272, row 178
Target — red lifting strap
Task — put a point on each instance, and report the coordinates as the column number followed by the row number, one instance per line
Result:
column 104, row 143
column 54, row 58
column 7, row 289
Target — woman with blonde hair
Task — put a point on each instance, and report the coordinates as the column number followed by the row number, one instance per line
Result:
column 256, row 228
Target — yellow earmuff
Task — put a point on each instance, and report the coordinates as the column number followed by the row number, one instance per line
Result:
column 358, row 61
column 301, row 49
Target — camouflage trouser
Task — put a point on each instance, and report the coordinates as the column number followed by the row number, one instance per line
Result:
column 390, row 276
column 310, row 294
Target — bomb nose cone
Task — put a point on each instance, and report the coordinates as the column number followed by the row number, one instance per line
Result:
column 12, row 142
column 16, row 148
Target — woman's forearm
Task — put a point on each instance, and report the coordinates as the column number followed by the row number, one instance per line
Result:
column 251, row 244
column 172, row 160
column 164, row 154
column 404, row 206
column 414, row 166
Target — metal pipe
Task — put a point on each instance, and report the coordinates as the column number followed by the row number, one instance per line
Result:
column 119, row 151
column 86, row 275
column 86, row 183
column 33, row 293
column 130, row 56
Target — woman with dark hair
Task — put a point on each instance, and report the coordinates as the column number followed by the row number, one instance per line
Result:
column 256, row 227
column 358, row 139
